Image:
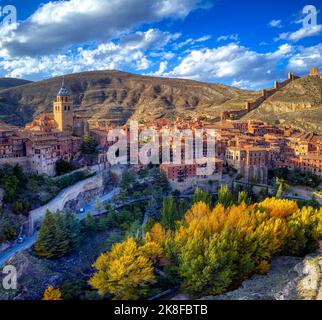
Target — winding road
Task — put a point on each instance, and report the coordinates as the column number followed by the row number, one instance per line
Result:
column 89, row 208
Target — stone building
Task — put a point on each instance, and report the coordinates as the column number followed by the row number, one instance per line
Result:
column 182, row 177
column 250, row 161
column 310, row 162
column 48, row 138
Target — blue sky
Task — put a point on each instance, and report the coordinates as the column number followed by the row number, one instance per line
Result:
column 241, row 43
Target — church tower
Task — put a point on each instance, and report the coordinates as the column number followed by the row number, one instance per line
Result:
column 63, row 110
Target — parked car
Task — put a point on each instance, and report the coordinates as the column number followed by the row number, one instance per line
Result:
column 81, row 210
column 21, row 239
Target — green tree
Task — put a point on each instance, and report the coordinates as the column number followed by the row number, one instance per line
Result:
column 73, row 228
column 160, row 180
column 152, row 209
column 10, row 185
column 242, row 197
column 89, row 145
column 7, row 231
column 63, row 167
column 128, row 179
column 45, row 244
column 225, row 197
column 279, row 193
column 182, row 208
column 202, row 196
column 169, row 213
column 59, row 235
column 88, row 225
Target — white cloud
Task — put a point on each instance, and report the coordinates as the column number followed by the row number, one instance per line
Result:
column 151, row 39
column 60, row 24
column 203, row 39
column 230, row 37
column 276, row 24
column 191, row 42
column 163, row 67
column 306, row 58
column 232, row 61
column 302, row 33
column 130, row 52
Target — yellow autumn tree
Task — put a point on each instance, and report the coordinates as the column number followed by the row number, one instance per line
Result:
column 319, row 227
column 218, row 247
column 154, row 244
column 305, row 229
column 197, row 211
column 52, row 293
column 158, row 234
column 125, row 272
column 278, row 208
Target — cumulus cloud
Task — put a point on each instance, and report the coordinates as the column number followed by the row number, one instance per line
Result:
column 152, row 39
column 60, row 24
column 130, row 52
column 232, row 61
column 302, row 33
column 163, row 67
column 305, row 58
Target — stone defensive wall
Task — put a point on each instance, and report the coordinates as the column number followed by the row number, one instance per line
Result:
column 266, row 93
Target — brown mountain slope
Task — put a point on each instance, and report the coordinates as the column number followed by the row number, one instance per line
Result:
column 299, row 104
column 117, row 96
column 6, row 83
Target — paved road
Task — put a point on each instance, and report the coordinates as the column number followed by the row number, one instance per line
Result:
column 29, row 242
column 6, row 255
column 90, row 207
column 305, row 192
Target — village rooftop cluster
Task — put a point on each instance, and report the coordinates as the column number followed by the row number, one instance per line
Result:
column 252, row 148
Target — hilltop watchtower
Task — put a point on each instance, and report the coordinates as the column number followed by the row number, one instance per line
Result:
column 63, row 110
column 314, row 71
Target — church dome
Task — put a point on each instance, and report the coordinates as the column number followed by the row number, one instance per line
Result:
column 63, row 92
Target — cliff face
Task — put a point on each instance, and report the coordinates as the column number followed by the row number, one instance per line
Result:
column 117, row 96
column 298, row 104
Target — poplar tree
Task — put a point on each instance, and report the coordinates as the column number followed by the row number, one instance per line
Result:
column 169, row 213
column 225, row 197
column 202, row 196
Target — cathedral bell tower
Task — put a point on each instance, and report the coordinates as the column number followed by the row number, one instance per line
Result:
column 63, row 110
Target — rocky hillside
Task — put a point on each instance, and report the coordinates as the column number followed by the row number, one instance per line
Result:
column 290, row 278
column 298, row 104
column 117, row 96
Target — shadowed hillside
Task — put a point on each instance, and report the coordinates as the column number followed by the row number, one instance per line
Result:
column 118, row 96
column 6, row 83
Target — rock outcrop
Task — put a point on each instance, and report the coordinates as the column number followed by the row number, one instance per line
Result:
column 290, row 278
